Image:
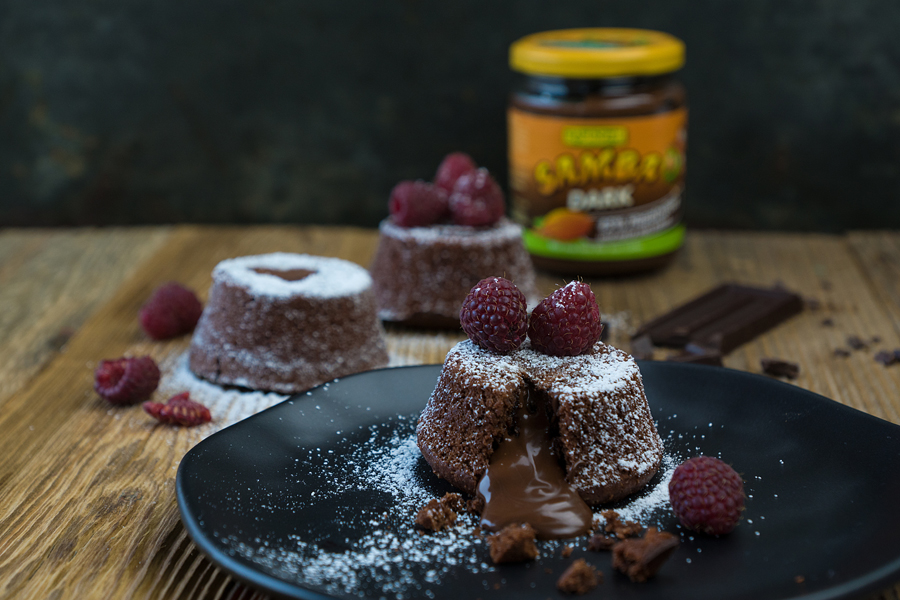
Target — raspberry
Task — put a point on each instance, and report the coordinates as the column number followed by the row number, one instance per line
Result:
column 126, row 380
column 171, row 311
column 179, row 410
column 450, row 169
column 567, row 322
column 494, row 315
column 417, row 203
column 476, row 200
column 707, row 495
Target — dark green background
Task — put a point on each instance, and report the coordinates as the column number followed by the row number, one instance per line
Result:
column 138, row 111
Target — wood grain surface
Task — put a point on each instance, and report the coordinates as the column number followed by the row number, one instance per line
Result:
column 87, row 503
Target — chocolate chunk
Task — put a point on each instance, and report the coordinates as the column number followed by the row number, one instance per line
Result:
column 438, row 514
column 641, row 558
column 828, row 322
column 601, row 543
column 841, row 352
column 642, row 347
column 723, row 318
column 886, row 357
column 779, row 368
column 856, row 342
column 579, row 578
column 513, row 543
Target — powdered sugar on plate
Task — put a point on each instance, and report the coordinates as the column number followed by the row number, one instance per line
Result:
column 227, row 405
column 369, row 547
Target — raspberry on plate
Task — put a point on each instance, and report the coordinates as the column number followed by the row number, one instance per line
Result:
column 179, row 410
column 126, row 380
column 171, row 311
column 567, row 322
column 494, row 315
column 417, row 204
column 707, row 495
column 476, row 200
column 451, row 168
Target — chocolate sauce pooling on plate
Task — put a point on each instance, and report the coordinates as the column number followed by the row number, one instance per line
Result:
column 525, row 483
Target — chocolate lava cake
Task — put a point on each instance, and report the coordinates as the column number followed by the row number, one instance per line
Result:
column 421, row 275
column 287, row 322
column 600, row 423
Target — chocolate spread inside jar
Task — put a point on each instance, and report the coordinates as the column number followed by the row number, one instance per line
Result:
column 525, row 482
column 597, row 138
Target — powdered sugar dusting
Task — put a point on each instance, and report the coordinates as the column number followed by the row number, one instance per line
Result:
column 377, row 552
column 501, row 233
column 227, row 405
column 330, row 277
column 604, row 371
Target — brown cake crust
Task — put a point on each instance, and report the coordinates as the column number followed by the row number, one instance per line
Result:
column 421, row 275
column 263, row 332
column 606, row 435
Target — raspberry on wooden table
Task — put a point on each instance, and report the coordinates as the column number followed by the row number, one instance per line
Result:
column 707, row 495
column 476, row 200
column 567, row 322
column 417, row 204
column 171, row 311
column 179, row 410
column 494, row 315
column 126, row 380
column 451, row 168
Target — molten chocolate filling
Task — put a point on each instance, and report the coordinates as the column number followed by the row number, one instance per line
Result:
column 288, row 275
column 525, row 482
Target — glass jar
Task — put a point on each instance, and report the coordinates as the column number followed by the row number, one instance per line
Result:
column 597, row 138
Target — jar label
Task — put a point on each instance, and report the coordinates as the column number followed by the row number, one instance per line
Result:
column 591, row 189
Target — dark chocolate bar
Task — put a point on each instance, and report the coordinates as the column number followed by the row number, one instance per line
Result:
column 723, row 318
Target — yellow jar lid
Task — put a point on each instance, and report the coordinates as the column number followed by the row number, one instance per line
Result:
column 597, row 52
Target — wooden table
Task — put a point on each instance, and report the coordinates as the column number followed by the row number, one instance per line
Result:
column 87, row 501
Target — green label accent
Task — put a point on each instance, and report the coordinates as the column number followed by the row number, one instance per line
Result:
column 597, row 136
column 594, row 43
column 647, row 246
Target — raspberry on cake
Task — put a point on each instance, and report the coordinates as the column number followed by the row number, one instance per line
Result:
column 567, row 322
column 454, row 166
column 494, row 315
column 287, row 322
column 476, row 200
column 423, row 270
column 417, row 203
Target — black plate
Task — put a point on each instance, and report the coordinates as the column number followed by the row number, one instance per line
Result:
column 281, row 498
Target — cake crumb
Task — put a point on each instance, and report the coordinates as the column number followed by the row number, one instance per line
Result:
column 437, row 515
column 512, row 544
column 579, row 578
column 799, row 579
column 566, row 551
column 622, row 529
column 601, row 543
column 641, row 558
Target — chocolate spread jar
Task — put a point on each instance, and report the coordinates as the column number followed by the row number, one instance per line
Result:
column 597, row 136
